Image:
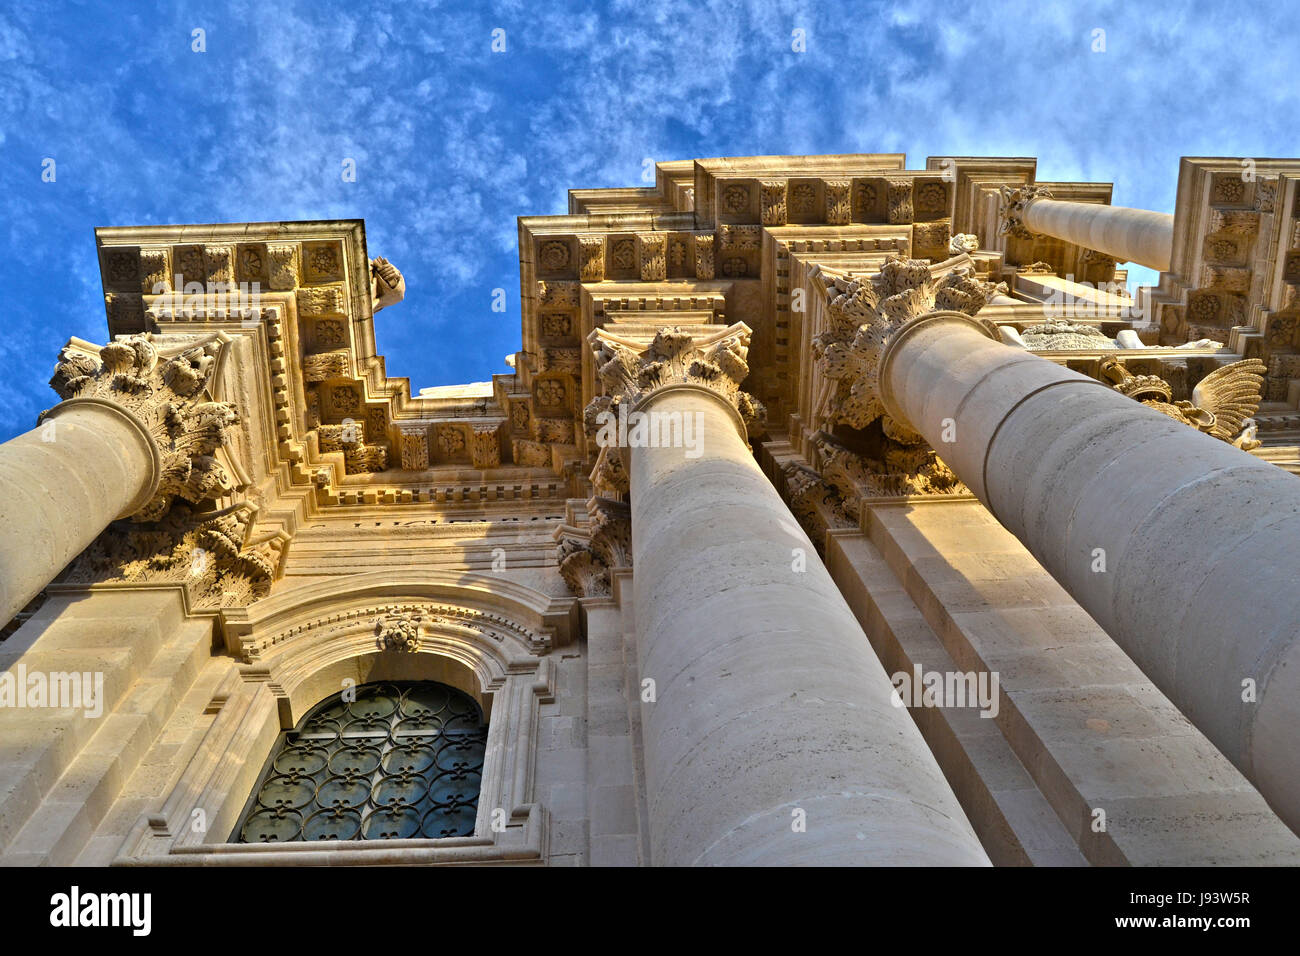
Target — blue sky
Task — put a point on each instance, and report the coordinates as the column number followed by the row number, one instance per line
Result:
column 453, row 141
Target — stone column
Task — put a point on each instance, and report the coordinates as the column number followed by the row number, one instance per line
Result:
column 1181, row 546
column 771, row 737
column 1128, row 235
column 131, row 433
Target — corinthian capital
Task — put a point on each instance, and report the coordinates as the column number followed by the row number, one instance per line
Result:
column 1011, row 212
column 865, row 314
column 165, row 395
column 631, row 371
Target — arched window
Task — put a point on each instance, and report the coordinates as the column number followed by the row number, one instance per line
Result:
column 384, row 761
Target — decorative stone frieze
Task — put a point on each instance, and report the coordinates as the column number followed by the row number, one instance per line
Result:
column 741, row 238
column 532, row 454
column 166, row 397
column 348, row 438
column 1065, row 336
column 932, row 240
column 219, row 265
column 323, row 300
column 561, row 294
column 155, row 270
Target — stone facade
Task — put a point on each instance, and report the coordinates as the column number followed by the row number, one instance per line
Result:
column 834, row 512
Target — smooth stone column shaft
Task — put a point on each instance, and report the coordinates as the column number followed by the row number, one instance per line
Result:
column 1182, row 547
column 1129, row 235
column 769, row 698
column 60, row 485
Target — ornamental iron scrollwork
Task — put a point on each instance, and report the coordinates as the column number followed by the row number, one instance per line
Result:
column 389, row 761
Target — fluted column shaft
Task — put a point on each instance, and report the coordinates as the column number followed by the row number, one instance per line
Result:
column 1128, row 235
column 1182, row 547
column 769, row 701
column 61, row 484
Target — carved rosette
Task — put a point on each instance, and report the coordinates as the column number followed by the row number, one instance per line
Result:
column 1015, row 201
column 166, row 396
column 864, row 314
column 349, row 438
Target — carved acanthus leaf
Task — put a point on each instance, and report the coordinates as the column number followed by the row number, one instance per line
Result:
column 676, row 357
column 611, row 531
column 900, row 469
column 1011, row 212
column 218, row 558
column 864, row 314
column 582, row 569
column 815, row 504
column 167, row 397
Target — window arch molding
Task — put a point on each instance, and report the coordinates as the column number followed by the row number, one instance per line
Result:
column 487, row 637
